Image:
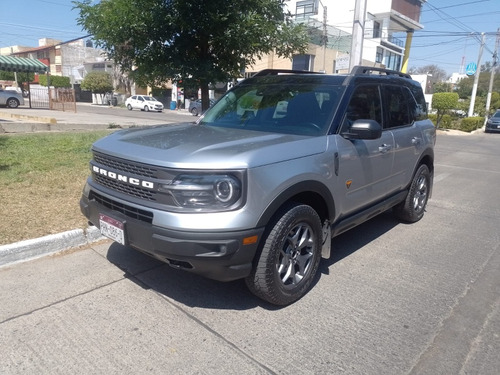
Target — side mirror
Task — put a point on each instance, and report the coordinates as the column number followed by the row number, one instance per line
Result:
column 364, row 129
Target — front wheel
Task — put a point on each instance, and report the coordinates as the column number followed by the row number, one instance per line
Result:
column 146, row 108
column 290, row 256
column 12, row 103
column 413, row 207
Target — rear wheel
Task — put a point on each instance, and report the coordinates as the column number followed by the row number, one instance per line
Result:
column 12, row 103
column 129, row 107
column 413, row 207
column 290, row 256
column 194, row 111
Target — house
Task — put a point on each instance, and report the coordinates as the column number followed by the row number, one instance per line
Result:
column 386, row 32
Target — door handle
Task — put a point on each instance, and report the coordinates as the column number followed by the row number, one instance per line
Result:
column 384, row 148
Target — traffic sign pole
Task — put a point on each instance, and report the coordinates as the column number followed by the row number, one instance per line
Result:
column 476, row 77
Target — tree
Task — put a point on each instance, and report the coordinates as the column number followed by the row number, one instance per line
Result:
column 198, row 40
column 442, row 87
column 98, row 83
column 443, row 102
column 436, row 74
column 464, row 86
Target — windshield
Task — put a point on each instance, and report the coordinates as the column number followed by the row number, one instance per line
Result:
column 302, row 107
column 150, row 98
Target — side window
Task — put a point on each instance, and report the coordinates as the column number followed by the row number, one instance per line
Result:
column 364, row 104
column 396, row 106
column 421, row 105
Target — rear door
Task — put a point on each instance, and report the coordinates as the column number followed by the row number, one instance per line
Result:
column 401, row 113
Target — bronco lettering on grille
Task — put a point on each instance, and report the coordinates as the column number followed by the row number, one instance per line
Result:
column 123, row 178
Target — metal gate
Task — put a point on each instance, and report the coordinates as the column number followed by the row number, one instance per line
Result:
column 62, row 99
column 38, row 97
column 56, row 98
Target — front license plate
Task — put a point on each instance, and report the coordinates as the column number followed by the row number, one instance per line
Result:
column 112, row 228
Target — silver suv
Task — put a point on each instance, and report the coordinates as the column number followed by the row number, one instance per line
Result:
column 260, row 184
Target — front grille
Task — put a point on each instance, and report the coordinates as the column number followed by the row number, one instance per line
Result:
column 126, row 189
column 131, row 169
column 126, row 166
column 127, row 210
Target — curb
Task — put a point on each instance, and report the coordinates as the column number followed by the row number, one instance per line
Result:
column 21, row 127
column 36, row 248
column 17, row 116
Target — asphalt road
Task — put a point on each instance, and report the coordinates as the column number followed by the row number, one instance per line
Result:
column 393, row 299
column 167, row 115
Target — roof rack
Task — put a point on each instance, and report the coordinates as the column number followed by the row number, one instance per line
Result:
column 359, row 70
column 275, row 72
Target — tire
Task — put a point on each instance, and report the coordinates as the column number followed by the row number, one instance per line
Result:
column 146, row 108
column 288, row 261
column 412, row 208
column 194, row 111
column 12, row 103
column 129, row 107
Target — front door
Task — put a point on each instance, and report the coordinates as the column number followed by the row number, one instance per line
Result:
column 364, row 166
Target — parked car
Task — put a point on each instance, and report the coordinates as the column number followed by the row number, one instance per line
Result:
column 11, row 98
column 144, row 103
column 493, row 123
column 258, row 186
column 195, row 106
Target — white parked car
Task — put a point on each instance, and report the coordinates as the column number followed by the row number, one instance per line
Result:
column 144, row 103
column 11, row 98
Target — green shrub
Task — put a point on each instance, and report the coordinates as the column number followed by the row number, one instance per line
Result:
column 470, row 124
column 445, row 123
column 56, row 81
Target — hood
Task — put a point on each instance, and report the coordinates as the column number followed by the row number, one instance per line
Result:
column 198, row 146
column 494, row 120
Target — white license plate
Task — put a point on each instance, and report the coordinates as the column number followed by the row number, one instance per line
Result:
column 112, row 228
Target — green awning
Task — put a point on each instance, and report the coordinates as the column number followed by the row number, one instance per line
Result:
column 22, row 64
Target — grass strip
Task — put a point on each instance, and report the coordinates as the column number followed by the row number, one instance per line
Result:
column 41, row 180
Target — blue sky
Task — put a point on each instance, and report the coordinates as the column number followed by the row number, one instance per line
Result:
column 451, row 31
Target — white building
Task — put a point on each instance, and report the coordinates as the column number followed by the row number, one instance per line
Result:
column 386, row 25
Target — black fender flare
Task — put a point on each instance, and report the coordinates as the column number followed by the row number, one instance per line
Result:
column 311, row 192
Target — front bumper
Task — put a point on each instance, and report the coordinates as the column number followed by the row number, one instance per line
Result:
column 220, row 256
column 492, row 127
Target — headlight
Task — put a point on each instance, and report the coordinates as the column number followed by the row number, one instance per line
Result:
column 210, row 192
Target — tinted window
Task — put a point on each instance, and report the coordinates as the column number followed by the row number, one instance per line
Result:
column 421, row 106
column 364, row 104
column 396, row 105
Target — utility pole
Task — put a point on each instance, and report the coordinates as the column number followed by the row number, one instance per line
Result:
column 358, row 34
column 476, row 77
column 492, row 76
column 406, row 57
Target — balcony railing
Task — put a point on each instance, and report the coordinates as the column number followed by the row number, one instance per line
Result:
column 396, row 41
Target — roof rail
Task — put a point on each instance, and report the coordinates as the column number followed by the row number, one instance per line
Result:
column 275, row 72
column 359, row 70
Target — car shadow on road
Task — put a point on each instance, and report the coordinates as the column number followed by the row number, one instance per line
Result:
column 192, row 290
column 181, row 286
column 351, row 241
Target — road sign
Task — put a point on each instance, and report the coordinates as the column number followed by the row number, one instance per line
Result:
column 470, row 69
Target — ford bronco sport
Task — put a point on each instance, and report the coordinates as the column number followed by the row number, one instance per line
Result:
column 260, row 184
